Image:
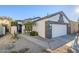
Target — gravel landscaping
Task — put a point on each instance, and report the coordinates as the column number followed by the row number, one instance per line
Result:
column 62, row 49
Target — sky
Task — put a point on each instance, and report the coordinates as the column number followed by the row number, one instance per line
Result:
column 21, row 12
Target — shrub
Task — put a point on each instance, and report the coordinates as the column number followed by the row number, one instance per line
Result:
column 33, row 33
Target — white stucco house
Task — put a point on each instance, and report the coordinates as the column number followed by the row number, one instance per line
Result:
column 19, row 28
column 53, row 25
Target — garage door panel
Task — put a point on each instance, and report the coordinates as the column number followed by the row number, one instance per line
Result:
column 59, row 30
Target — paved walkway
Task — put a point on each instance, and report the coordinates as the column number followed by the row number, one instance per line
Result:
column 53, row 43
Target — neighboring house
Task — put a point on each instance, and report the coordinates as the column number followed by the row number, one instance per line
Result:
column 5, row 21
column 53, row 25
column 74, row 26
column 18, row 28
column 31, row 19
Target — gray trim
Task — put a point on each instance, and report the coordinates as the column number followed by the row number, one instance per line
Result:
column 65, row 16
column 61, row 12
column 53, row 22
column 68, row 29
column 61, row 19
column 48, row 30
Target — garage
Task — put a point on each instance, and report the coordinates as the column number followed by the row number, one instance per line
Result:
column 59, row 30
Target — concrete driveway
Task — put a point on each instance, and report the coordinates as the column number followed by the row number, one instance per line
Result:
column 51, row 43
column 62, row 40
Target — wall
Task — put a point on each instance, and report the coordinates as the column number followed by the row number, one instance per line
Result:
column 23, row 28
column 13, row 29
column 54, row 18
column 74, row 27
column 4, row 30
column 6, row 22
column 40, row 27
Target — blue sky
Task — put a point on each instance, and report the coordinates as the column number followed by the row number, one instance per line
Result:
column 21, row 12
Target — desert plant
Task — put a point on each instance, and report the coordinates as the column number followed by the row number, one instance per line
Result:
column 33, row 33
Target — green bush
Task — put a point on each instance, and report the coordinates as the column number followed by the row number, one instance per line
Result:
column 33, row 33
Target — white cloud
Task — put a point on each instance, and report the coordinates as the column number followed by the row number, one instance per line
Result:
column 77, row 10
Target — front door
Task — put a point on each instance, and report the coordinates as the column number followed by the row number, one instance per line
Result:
column 19, row 28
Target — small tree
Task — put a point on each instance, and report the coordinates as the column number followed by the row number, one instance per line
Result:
column 13, row 23
column 29, row 26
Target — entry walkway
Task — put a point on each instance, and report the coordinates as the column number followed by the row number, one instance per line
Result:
column 51, row 43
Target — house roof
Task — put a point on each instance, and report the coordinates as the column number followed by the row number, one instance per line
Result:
column 19, row 20
column 5, row 17
column 48, row 16
column 32, row 19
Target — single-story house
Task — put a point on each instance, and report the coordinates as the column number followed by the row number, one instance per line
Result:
column 53, row 25
column 5, row 22
column 18, row 28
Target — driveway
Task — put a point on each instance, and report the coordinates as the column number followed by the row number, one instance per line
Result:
column 51, row 43
column 21, row 43
column 62, row 40
column 25, row 43
column 5, row 42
